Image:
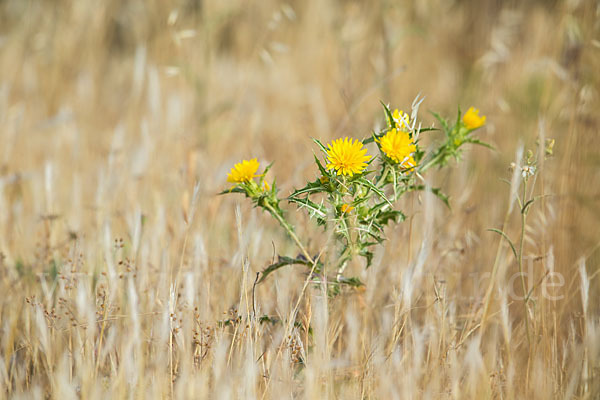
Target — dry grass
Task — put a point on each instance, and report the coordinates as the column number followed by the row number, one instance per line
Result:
column 117, row 280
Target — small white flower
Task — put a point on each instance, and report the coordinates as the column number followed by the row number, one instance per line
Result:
column 528, row 170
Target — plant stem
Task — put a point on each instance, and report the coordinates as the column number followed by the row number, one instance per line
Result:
column 340, row 271
column 288, row 229
column 520, row 261
column 431, row 162
column 383, row 176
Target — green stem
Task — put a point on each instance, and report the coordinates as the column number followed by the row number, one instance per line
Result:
column 521, row 245
column 277, row 214
column 383, row 176
column 349, row 248
column 431, row 162
column 341, row 268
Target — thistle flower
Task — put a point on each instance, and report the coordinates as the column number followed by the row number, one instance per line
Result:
column 244, row 171
column 401, row 119
column 346, row 208
column 472, row 120
column 347, row 157
column 399, row 147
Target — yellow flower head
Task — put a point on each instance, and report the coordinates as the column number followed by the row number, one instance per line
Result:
column 346, row 208
column 472, row 119
column 401, row 119
column 243, row 172
column 347, row 157
column 398, row 146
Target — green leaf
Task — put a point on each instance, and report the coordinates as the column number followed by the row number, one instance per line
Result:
column 318, row 142
column 268, row 167
column 266, row 319
column 418, row 156
column 378, row 206
column 359, row 201
column 310, row 188
column 505, row 236
column 442, row 196
column 354, row 281
column 282, row 261
column 428, row 130
column 373, row 136
column 369, row 184
column 374, row 235
column 394, row 215
column 316, row 209
column 388, row 113
column 369, row 244
column 321, row 167
column 235, row 189
column 442, row 121
column 526, row 205
column 437, row 191
column 367, row 255
column 480, row 143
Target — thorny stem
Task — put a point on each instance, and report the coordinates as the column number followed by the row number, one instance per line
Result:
column 341, row 269
column 431, row 162
column 383, row 176
column 345, row 232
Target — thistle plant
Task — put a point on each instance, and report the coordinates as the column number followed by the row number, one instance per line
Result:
column 354, row 194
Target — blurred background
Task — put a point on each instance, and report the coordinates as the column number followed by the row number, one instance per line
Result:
column 113, row 110
column 110, row 105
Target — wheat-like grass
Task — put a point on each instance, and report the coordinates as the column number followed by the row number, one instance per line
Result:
column 123, row 275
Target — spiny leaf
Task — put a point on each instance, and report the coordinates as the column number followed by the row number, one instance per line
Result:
column 457, row 123
column 377, row 238
column 354, row 281
column 388, row 113
column 235, row 189
column 312, row 187
column 321, row 168
column 373, row 137
column 480, row 143
column 318, row 142
column 437, row 191
column 315, row 208
column 267, row 168
column 370, row 185
column 442, row 121
column 367, row 255
column 428, row 129
column 394, row 215
column 282, row 261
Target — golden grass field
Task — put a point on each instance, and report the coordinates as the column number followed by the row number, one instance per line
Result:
column 118, row 280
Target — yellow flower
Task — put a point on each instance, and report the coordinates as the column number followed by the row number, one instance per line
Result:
column 472, row 119
column 401, row 118
column 398, row 146
column 243, row 172
column 346, row 208
column 347, row 157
